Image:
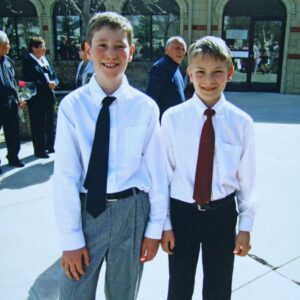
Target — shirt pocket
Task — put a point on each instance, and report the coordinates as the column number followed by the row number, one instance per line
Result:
column 228, row 157
column 134, row 139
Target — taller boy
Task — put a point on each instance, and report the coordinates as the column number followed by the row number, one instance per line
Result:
column 93, row 226
column 203, row 191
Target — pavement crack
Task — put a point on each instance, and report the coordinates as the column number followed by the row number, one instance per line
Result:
column 265, row 263
column 262, row 261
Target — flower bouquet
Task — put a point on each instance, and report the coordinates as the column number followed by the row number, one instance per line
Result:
column 26, row 90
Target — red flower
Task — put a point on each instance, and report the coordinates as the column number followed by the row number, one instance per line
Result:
column 22, row 83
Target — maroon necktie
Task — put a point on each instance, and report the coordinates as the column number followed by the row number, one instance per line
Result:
column 204, row 171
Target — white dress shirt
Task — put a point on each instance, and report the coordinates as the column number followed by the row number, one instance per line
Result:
column 43, row 62
column 135, row 155
column 234, row 157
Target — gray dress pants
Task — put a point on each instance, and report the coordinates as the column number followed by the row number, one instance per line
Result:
column 116, row 236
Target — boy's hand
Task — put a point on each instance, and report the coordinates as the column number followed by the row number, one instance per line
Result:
column 72, row 262
column 242, row 243
column 168, row 241
column 149, row 249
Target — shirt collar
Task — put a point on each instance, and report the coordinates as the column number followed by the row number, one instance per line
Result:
column 41, row 61
column 98, row 94
column 201, row 107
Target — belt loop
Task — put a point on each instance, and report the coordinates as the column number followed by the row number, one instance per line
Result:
column 134, row 192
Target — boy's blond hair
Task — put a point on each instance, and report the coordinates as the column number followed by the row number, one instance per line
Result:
column 111, row 20
column 212, row 46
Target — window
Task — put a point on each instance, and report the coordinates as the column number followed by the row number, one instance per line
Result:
column 67, row 29
column 153, row 23
column 20, row 23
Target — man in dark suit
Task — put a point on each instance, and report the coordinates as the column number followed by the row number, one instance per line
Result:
column 9, row 104
column 36, row 68
column 165, row 83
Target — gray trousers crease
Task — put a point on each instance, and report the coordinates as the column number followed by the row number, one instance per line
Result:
column 115, row 236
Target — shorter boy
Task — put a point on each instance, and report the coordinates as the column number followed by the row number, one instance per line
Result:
column 210, row 151
column 110, row 181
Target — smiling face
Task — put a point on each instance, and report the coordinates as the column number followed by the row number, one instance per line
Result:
column 209, row 76
column 110, row 52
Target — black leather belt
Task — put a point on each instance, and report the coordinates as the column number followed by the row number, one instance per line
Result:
column 123, row 194
column 119, row 195
column 213, row 205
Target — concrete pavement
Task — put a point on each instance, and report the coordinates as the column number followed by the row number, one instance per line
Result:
column 29, row 244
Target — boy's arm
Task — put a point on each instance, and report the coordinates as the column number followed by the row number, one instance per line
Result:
column 246, row 176
column 168, row 238
column 156, row 166
column 167, row 138
column 67, row 206
column 67, row 180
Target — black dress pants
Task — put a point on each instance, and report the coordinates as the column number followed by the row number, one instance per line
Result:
column 214, row 232
column 41, row 115
column 9, row 119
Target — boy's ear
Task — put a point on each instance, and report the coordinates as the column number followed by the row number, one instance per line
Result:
column 189, row 72
column 87, row 48
column 230, row 73
column 131, row 52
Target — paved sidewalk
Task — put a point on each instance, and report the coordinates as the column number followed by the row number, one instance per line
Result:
column 29, row 244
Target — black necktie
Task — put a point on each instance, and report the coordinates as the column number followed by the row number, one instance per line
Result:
column 204, row 170
column 96, row 177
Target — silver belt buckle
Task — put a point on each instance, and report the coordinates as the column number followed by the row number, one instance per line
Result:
column 200, row 208
column 111, row 200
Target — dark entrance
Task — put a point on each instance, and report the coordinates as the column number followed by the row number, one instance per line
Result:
column 254, row 31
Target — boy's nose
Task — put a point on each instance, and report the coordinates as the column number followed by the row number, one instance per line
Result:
column 111, row 52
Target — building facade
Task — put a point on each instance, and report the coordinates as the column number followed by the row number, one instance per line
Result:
column 263, row 35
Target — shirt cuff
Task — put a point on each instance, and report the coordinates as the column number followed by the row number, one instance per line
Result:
column 154, row 231
column 168, row 225
column 245, row 223
column 72, row 241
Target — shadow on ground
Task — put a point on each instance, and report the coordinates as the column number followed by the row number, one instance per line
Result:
column 46, row 286
column 28, row 176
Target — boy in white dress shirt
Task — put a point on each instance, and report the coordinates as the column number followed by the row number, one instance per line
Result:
column 124, row 225
column 207, row 220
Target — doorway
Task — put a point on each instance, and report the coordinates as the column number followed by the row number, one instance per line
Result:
column 256, row 42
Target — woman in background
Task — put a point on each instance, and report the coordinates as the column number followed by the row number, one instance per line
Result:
column 36, row 68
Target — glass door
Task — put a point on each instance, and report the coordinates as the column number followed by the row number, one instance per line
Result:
column 256, row 48
column 266, row 53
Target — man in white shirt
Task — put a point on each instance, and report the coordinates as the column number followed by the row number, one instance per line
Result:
column 128, row 231
column 203, row 212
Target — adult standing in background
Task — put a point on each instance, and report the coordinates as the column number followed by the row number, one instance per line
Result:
column 36, row 68
column 85, row 68
column 165, row 83
column 9, row 104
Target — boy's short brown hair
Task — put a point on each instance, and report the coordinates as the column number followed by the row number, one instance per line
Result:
column 212, row 46
column 113, row 21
